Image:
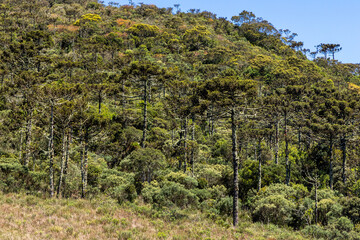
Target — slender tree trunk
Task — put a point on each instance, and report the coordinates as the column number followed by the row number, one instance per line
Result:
column 287, row 150
column 28, row 141
column 66, row 162
column 192, row 139
column 62, row 164
column 235, row 169
column 299, row 138
column 209, row 123
column 51, row 150
column 259, row 159
column 145, row 115
column 181, row 142
column 21, row 144
column 277, row 142
column 96, row 61
column 331, row 180
column 185, row 144
column 343, row 149
column 316, row 202
column 84, row 165
column 100, row 100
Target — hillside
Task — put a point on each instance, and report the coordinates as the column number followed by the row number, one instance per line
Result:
column 28, row 217
column 184, row 114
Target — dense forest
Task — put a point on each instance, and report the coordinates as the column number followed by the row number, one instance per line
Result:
column 179, row 110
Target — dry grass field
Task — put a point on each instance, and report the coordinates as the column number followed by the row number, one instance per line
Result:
column 29, row 217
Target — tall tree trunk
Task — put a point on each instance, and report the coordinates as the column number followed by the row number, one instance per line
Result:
column 66, row 162
column 259, row 159
column 343, row 149
column 62, row 163
column 235, row 169
column 209, row 123
column 84, row 164
column 287, row 150
column 28, row 140
column 316, row 201
column 96, row 61
column 51, row 150
column 192, row 139
column 299, row 138
column 277, row 141
column 185, row 144
column 100, row 100
column 331, row 180
column 145, row 115
column 21, row 144
column 181, row 142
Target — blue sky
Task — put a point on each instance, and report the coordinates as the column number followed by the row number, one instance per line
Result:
column 315, row 21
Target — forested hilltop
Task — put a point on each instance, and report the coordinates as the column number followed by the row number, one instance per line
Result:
column 179, row 112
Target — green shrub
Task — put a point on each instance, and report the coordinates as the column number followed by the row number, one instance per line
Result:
column 273, row 173
column 175, row 194
column 316, row 232
column 180, row 177
column 328, row 210
column 300, row 191
column 202, row 183
column 356, row 188
column 225, row 206
column 275, row 204
column 274, row 209
column 351, row 208
column 344, row 224
column 212, row 174
column 123, row 192
column 278, row 189
column 144, row 163
column 222, row 148
column 150, row 191
column 218, row 191
column 12, row 175
column 209, row 206
column 171, row 194
column 323, row 194
column 338, row 231
column 37, row 181
column 119, row 185
column 73, row 180
column 95, row 168
column 111, row 178
column 202, row 194
column 248, row 176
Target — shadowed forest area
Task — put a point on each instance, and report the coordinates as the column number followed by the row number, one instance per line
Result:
column 196, row 126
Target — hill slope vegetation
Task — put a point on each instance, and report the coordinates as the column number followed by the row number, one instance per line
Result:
column 179, row 112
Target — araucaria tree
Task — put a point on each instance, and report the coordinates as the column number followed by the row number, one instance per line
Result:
column 233, row 96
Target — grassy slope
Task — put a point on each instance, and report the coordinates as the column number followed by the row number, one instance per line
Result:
column 29, row 217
